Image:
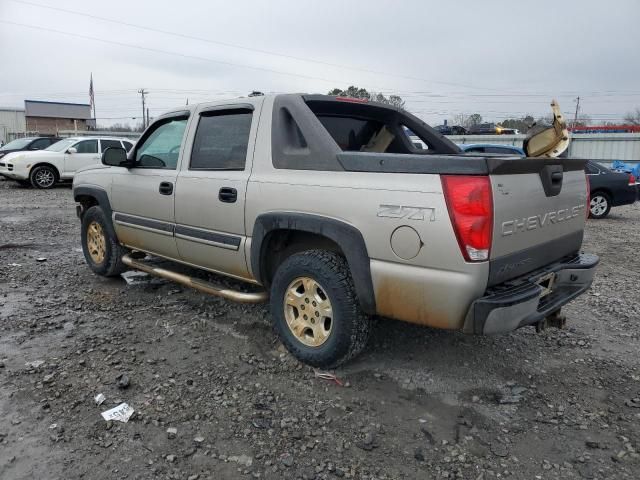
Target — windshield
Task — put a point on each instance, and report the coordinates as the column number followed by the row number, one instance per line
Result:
column 62, row 145
column 17, row 144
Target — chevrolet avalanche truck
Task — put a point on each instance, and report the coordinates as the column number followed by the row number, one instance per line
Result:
column 326, row 206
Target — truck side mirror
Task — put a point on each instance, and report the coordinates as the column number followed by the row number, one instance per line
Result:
column 115, row 157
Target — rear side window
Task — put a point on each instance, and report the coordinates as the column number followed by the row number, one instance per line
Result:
column 475, row 150
column 591, row 169
column 351, row 134
column 87, row 146
column 109, row 143
column 221, row 140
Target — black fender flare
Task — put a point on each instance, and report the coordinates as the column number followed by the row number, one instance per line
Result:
column 346, row 236
column 102, row 197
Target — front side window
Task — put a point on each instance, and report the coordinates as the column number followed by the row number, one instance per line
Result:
column 162, row 147
column 127, row 145
column 39, row 144
column 221, row 140
column 87, row 146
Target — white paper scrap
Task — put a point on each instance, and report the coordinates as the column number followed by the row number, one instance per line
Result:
column 121, row 413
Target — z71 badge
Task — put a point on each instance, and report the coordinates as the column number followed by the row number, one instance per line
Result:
column 408, row 212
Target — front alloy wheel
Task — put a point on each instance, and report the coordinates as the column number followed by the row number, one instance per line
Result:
column 96, row 242
column 43, row 177
column 100, row 246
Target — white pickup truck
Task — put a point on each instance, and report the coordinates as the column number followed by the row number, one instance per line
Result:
column 327, row 207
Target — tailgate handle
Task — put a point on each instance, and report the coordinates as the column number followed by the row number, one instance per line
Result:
column 551, row 177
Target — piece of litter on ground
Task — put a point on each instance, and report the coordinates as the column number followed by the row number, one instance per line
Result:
column 34, row 364
column 41, row 259
column 121, row 413
column 15, row 265
column 133, row 277
column 328, row 376
column 99, row 399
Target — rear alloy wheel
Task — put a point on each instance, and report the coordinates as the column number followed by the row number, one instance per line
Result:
column 308, row 311
column 599, row 206
column 315, row 310
column 43, row 177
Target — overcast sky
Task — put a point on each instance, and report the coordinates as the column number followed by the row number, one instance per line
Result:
column 497, row 58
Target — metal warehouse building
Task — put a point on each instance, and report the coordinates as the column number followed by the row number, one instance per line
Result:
column 48, row 118
column 12, row 123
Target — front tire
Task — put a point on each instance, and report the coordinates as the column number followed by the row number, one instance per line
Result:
column 315, row 310
column 44, row 177
column 599, row 205
column 101, row 249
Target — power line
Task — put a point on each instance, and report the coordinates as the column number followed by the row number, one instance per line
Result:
column 157, row 50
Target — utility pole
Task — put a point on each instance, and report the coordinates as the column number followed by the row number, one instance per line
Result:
column 143, row 92
column 575, row 117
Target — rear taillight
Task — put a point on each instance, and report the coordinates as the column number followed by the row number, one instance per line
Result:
column 470, row 207
column 588, row 205
column 632, row 180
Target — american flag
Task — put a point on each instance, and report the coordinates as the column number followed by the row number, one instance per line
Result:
column 91, row 97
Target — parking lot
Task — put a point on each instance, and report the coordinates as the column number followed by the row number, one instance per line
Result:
column 419, row 403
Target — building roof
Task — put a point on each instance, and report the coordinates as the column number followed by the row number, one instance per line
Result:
column 74, row 111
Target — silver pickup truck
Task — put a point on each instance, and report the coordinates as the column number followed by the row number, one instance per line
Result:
column 327, row 207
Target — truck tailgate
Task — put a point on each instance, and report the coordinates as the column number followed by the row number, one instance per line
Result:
column 539, row 213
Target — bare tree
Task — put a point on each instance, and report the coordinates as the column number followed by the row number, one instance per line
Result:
column 473, row 120
column 459, row 119
column 361, row 93
column 633, row 118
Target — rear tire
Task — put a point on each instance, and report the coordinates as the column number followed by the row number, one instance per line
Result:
column 599, row 205
column 43, row 177
column 101, row 249
column 315, row 310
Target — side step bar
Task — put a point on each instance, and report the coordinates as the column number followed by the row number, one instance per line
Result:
column 201, row 285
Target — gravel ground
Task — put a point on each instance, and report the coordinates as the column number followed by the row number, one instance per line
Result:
column 216, row 397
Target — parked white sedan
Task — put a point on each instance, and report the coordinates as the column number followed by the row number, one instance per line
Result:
column 60, row 161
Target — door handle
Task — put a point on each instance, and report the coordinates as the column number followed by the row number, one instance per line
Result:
column 228, row 195
column 166, row 188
